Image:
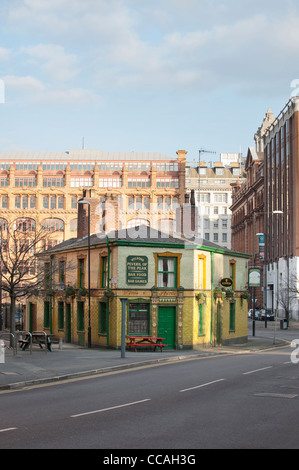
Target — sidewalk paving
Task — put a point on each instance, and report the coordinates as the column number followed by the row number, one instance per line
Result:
column 71, row 361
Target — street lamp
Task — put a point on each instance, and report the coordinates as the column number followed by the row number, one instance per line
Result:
column 277, row 284
column 82, row 201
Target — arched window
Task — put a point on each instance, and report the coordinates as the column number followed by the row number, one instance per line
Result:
column 3, row 224
column 53, row 225
column 166, row 225
column 25, row 225
column 137, row 222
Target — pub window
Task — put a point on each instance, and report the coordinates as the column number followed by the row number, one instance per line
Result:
column 102, row 318
column 46, row 314
column 200, row 320
column 167, row 272
column 61, row 272
column 81, row 273
column 60, row 315
column 232, row 316
column 138, row 323
column 80, row 316
column 103, row 271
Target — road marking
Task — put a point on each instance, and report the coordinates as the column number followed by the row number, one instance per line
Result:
column 111, row 408
column 7, row 429
column 202, row 385
column 257, row 370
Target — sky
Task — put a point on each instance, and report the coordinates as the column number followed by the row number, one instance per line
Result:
column 144, row 75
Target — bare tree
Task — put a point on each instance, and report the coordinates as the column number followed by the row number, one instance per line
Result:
column 289, row 295
column 21, row 273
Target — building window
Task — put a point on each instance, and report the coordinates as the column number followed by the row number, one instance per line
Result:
column 224, row 237
column 167, row 272
column 139, row 183
column 102, row 318
column 4, row 202
column 47, row 314
column 53, row 225
column 81, row 266
column 53, row 181
column 202, row 274
column 232, row 272
column 4, row 182
column 200, row 320
column 74, row 202
column 167, row 182
column 61, row 271
column 110, row 183
column 215, row 237
column 220, row 197
column 25, row 225
column 60, row 315
column 25, row 181
column 73, row 225
column 80, row 316
column 138, row 322
column 103, row 271
column 232, row 316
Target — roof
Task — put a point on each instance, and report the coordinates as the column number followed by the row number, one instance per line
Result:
column 143, row 236
column 83, row 154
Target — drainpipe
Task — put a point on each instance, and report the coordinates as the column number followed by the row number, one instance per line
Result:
column 212, row 296
column 108, row 276
column 51, row 296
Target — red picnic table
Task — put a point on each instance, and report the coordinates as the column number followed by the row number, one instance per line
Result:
column 136, row 341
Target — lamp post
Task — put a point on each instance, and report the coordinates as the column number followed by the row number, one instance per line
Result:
column 277, row 280
column 82, row 201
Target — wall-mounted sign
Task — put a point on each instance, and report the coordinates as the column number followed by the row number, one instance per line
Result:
column 254, row 277
column 226, row 282
column 137, row 270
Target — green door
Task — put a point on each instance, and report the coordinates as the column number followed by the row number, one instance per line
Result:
column 68, row 324
column 166, row 325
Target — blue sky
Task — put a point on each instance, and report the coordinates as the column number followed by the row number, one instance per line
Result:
column 144, row 75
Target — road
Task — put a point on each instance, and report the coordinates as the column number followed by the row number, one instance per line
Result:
column 247, row 401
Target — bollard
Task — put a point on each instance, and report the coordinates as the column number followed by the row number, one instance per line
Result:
column 60, row 343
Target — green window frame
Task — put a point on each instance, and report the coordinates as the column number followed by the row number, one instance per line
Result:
column 138, row 318
column 103, row 272
column 200, row 320
column 81, row 263
column 46, row 314
column 61, row 315
column 103, row 318
column 80, row 316
column 232, row 316
column 167, row 272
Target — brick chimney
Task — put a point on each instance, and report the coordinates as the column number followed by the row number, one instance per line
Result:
column 103, row 215
column 187, row 218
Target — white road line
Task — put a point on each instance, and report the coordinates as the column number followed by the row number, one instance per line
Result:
column 7, row 429
column 257, row 370
column 111, row 408
column 202, row 385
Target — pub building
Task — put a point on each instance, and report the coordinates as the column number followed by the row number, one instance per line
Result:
column 171, row 283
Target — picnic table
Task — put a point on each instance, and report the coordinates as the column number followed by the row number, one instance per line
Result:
column 38, row 337
column 143, row 341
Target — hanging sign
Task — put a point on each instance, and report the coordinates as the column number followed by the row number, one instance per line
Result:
column 226, row 282
column 254, row 277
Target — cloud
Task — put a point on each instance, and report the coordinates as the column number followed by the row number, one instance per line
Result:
column 54, row 62
column 29, row 89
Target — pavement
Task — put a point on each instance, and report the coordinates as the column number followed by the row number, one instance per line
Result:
column 68, row 361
